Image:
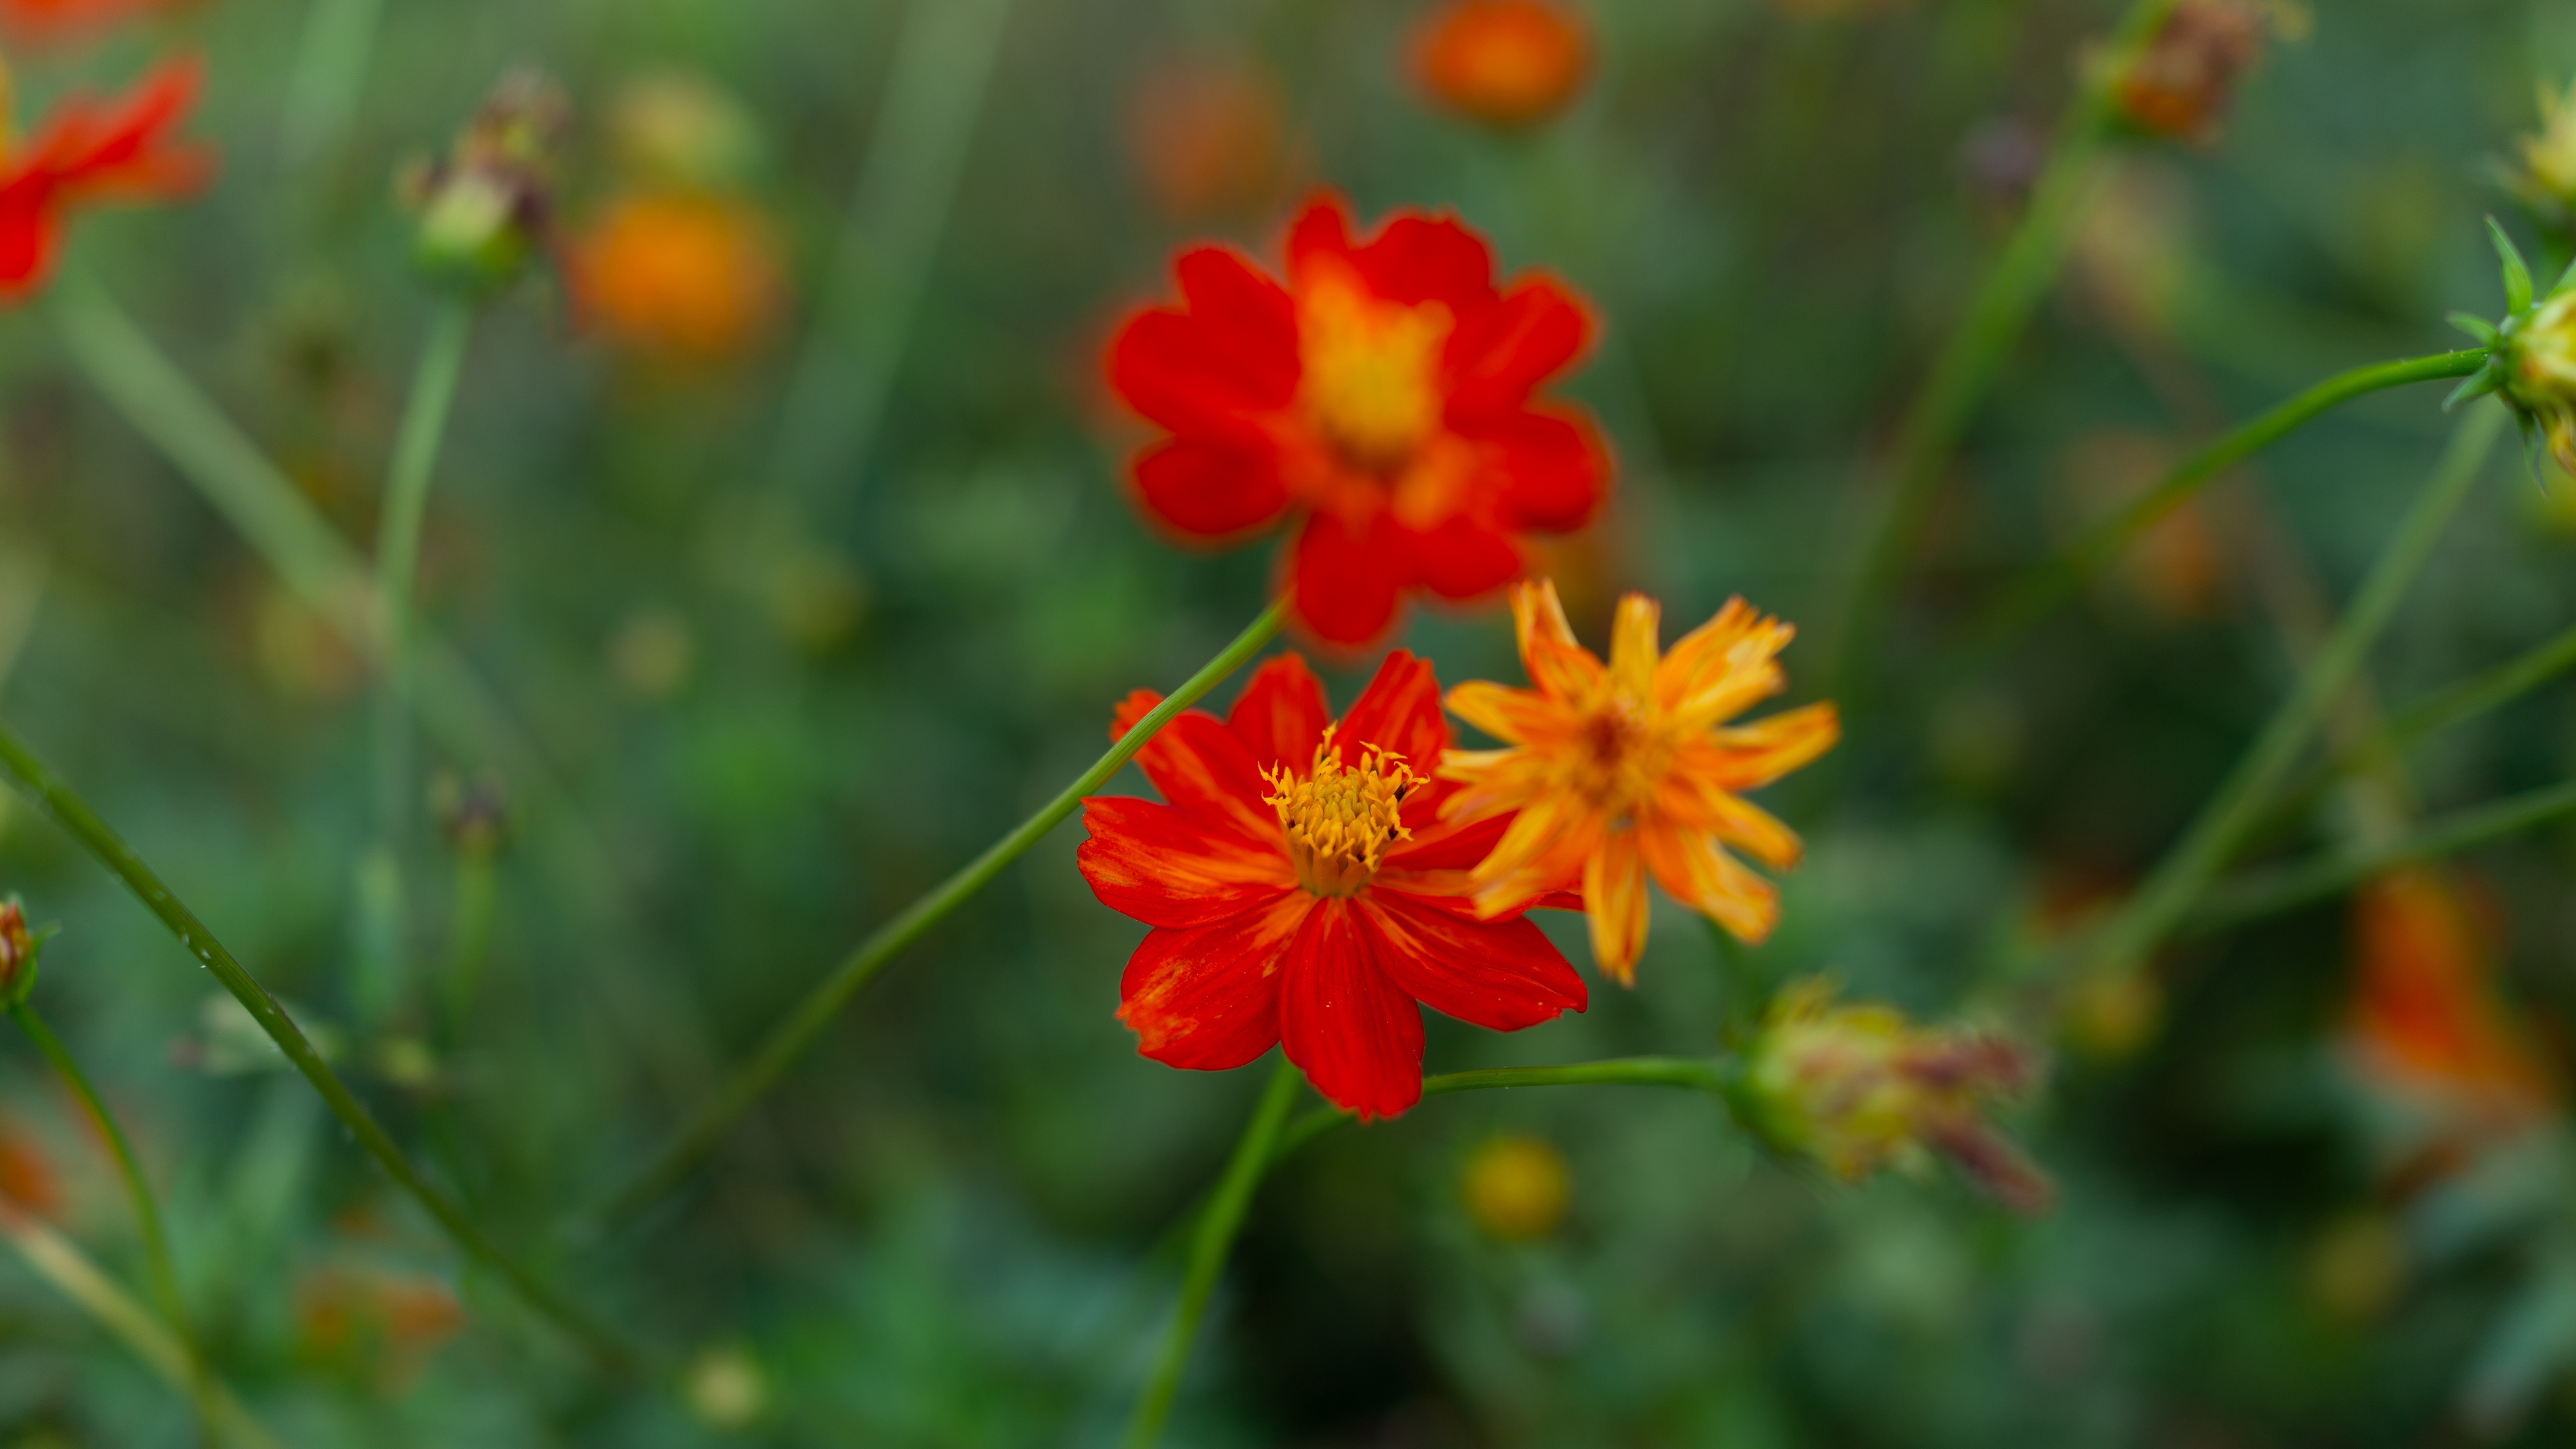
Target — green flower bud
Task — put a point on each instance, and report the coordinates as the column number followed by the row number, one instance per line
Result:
column 486, row 208
column 2540, row 374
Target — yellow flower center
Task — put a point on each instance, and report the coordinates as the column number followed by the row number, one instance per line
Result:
column 1622, row 756
column 1340, row 820
column 1370, row 369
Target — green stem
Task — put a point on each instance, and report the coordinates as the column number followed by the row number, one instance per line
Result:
column 1691, row 1073
column 406, row 505
column 2143, row 922
column 147, row 1213
column 1967, row 366
column 328, row 78
column 471, row 934
column 2043, row 591
column 69, row 811
column 1209, row 1247
column 789, row 1040
column 2270, row 892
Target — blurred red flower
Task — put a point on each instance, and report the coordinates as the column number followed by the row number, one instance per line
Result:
column 2426, row 1018
column 58, row 19
column 1503, row 62
column 1303, row 889
column 1382, row 396
column 90, row 150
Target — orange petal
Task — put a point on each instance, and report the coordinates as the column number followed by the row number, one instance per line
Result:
column 1690, row 800
column 1701, row 875
column 1514, row 716
column 1614, row 905
column 1761, row 752
column 1557, row 665
column 1633, row 646
column 1544, row 848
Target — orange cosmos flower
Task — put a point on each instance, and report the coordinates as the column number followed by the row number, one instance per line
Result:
column 88, row 150
column 1304, row 889
column 2182, row 85
column 1503, row 62
column 682, row 277
column 1620, row 770
column 1383, row 395
column 2426, row 1019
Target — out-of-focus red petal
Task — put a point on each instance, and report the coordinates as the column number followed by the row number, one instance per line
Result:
column 1500, row 975
column 1415, row 259
column 1166, row 867
column 1399, row 712
column 26, row 237
column 1201, row 769
column 123, row 146
column 1345, row 1023
column 1465, row 558
column 1281, row 714
column 1500, row 353
column 1207, row 999
column 1211, row 489
column 1550, row 466
column 1168, row 368
column 1245, row 317
column 1322, row 229
column 1345, row 584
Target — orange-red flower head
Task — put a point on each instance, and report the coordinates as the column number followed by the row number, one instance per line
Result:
column 90, row 150
column 1618, row 770
column 1304, row 889
column 682, row 277
column 1502, row 62
column 2426, row 1020
column 1381, row 398
column 2183, row 83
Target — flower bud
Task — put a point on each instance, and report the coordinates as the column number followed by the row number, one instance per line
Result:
column 1858, row 1088
column 17, row 950
column 2181, row 85
column 475, row 816
column 2547, row 175
column 486, row 207
column 2540, row 374
column 1517, row 1188
column 1502, row 62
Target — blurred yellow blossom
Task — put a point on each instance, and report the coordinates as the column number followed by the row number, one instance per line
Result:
column 1517, row 1188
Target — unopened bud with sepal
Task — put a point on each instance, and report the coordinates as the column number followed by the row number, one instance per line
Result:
column 485, row 210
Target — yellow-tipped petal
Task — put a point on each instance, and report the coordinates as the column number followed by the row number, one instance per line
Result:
column 1634, row 646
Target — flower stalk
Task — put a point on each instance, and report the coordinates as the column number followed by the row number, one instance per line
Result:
column 68, row 810
column 1209, row 1245
column 147, row 1212
column 406, row 504
column 795, row 1033
column 2144, row 921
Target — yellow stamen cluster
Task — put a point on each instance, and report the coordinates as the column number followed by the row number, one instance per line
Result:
column 1371, row 369
column 1340, row 820
column 2544, row 374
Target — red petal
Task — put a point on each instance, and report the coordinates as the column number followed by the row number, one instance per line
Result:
column 1281, row 714
column 1201, row 768
column 1464, row 558
column 1416, row 259
column 1168, row 868
column 1346, row 584
column 1211, row 489
column 1207, row 999
column 1550, row 466
column 1246, row 318
column 1400, row 711
column 1357, row 1037
column 1322, row 229
column 1502, row 352
column 26, row 236
column 1500, row 975
column 1173, row 371
column 1444, row 846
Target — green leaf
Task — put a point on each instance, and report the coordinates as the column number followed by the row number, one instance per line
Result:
column 2477, row 384
column 2566, row 281
column 2517, row 272
column 2477, row 327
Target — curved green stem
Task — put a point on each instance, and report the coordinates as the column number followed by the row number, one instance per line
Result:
column 2147, row 917
column 1968, row 364
column 147, row 1214
column 1209, row 1246
column 2270, row 892
column 2051, row 585
column 405, row 506
column 69, row 811
column 795, row 1033
column 1690, row 1073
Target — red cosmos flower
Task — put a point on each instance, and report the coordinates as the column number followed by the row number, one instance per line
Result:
column 1303, row 889
column 1382, row 396
column 91, row 150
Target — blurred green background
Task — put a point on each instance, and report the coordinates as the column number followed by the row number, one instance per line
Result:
column 788, row 633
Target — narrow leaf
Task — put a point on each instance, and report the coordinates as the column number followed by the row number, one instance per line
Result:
column 2517, row 272
column 2477, row 384
column 2477, row 327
